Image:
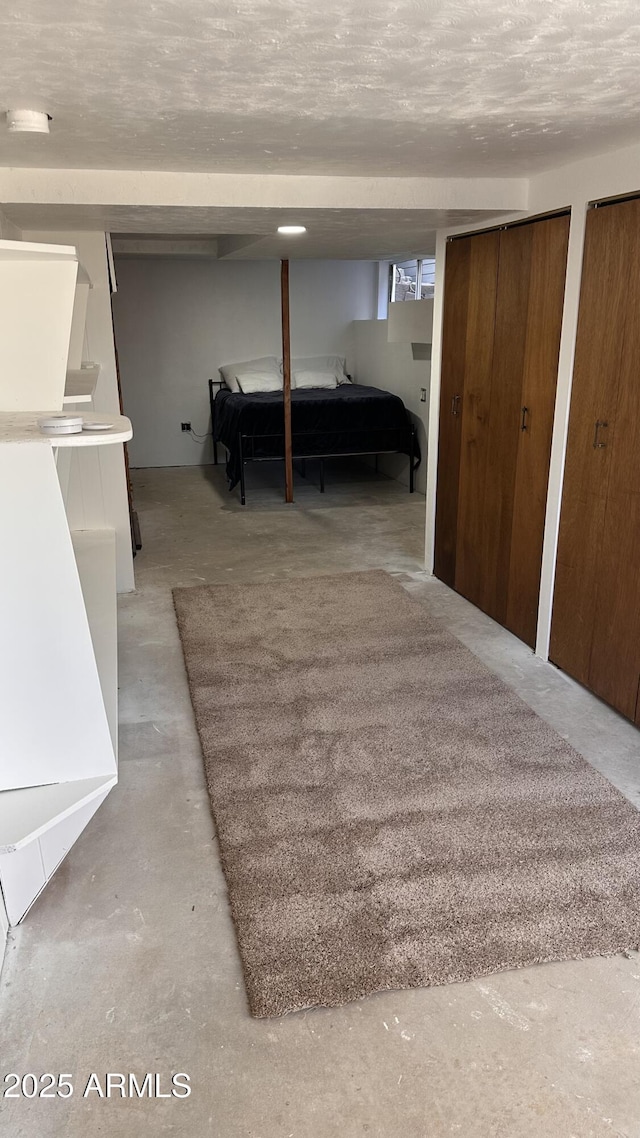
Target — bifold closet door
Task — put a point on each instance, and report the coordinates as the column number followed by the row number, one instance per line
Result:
column 471, row 277
column 490, row 439
column 595, row 632
column 545, row 262
column 501, row 341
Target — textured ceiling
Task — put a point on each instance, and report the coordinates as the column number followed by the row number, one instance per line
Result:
column 243, row 234
column 391, row 87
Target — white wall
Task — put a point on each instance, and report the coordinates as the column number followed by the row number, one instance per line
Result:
column 178, row 320
column 392, row 366
column 326, row 296
column 575, row 185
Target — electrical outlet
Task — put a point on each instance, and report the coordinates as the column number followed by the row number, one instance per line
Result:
column 186, row 426
column 423, row 395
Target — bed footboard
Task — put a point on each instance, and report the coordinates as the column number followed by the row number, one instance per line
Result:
column 247, row 448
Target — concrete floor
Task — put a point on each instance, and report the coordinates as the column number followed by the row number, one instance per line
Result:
column 128, row 961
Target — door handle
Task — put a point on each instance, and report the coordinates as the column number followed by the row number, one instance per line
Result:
column 523, row 421
column 455, row 405
column 599, row 423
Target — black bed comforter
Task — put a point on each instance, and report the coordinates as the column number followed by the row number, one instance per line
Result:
column 349, row 419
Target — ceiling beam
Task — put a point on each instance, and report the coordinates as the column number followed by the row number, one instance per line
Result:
column 230, row 243
column 261, row 191
column 161, row 247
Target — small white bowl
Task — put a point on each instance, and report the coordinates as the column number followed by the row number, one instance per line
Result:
column 61, row 425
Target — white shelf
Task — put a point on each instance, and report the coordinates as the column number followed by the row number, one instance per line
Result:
column 34, row 251
column 28, row 813
column 22, row 427
column 95, row 552
column 81, row 384
column 58, row 657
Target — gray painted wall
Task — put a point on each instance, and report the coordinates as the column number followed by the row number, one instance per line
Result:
column 177, row 320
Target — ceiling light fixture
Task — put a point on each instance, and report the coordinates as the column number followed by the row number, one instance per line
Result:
column 290, row 230
column 32, row 122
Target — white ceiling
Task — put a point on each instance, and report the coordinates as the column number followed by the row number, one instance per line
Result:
column 249, row 234
column 393, row 89
column 387, row 87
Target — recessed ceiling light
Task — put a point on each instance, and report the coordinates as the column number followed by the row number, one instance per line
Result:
column 289, row 230
column 33, row 122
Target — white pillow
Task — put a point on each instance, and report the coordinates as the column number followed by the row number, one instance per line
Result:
column 302, row 379
column 336, row 364
column 264, row 364
column 251, row 381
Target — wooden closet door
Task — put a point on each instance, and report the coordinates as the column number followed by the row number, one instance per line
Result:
column 541, row 349
column 610, row 243
column 504, row 469
column 614, row 665
column 469, row 312
column 511, row 328
column 475, row 441
column 502, row 318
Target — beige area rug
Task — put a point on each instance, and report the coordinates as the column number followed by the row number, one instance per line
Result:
column 390, row 814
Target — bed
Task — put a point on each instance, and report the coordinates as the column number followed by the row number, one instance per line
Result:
column 350, row 419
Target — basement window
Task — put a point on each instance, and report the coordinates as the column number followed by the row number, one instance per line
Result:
column 412, row 280
column 428, row 278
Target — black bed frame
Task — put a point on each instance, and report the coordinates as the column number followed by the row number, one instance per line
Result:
column 246, row 448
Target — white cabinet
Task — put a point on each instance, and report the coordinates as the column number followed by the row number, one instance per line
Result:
column 58, row 650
